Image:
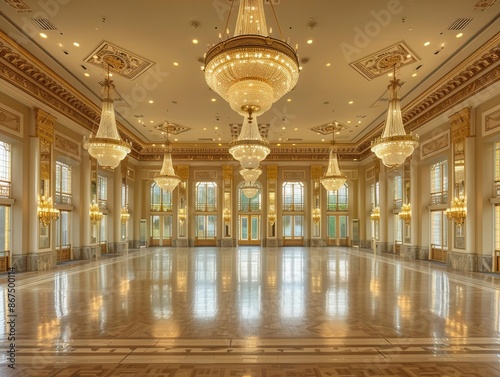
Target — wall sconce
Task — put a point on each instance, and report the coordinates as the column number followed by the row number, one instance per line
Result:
column 227, row 216
column 46, row 212
column 95, row 214
column 316, row 215
column 458, row 211
column 405, row 213
column 124, row 215
column 271, row 218
column 181, row 215
column 375, row 215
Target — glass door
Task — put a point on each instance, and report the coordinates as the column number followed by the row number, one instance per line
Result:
column 161, row 230
column 293, row 230
column 338, row 234
column 249, row 230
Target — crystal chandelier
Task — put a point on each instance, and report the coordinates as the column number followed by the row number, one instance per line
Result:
column 251, row 71
column 251, row 175
column 375, row 215
column 95, row 214
column 333, row 179
column 250, row 189
column 458, row 211
column 405, row 213
column 46, row 212
column 107, row 146
column 394, row 146
column 167, row 179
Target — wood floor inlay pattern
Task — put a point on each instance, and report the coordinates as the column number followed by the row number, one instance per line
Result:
column 251, row 311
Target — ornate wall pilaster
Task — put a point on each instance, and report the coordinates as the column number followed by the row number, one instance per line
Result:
column 272, row 208
column 183, row 213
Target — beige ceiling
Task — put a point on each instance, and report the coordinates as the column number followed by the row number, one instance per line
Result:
column 345, row 62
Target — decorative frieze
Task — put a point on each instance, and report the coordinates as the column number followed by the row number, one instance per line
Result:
column 11, row 121
column 437, row 144
column 66, row 145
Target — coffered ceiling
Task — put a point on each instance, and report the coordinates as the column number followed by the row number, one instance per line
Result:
column 346, row 51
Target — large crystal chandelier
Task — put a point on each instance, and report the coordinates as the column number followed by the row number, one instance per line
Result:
column 250, row 188
column 333, row 179
column 107, row 146
column 394, row 146
column 167, row 179
column 251, row 71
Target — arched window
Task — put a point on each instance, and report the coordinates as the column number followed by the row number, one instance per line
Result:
column 161, row 200
column 338, row 201
column 249, row 204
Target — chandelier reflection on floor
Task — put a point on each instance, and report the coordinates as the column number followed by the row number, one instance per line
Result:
column 107, row 146
column 251, row 71
column 394, row 146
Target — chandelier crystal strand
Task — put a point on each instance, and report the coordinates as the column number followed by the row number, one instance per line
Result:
column 251, row 68
column 250, row 148
column 250, row 175
column 167, row 179
column 333, row 179
column 107, row 146
column 394, row 146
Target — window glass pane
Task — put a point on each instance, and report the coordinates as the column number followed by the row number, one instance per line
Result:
column 5, row 162
column 255, row 228
column 167, row 226
column 287, row 225
column 497, row 227
column 497, row 161
column 155, row 227
column 206, row 196
column 398, row 188
column 102, row 190
column 298, row 226
column 293, row 196
column 65, row 217
column 211, row 226
column 244, row 228
column 4, row 228
column 332, row 226
column 343, row 226
column 103, row 234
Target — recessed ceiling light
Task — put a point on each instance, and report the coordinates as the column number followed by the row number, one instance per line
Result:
column 278, row 144
column 220, row 144
column 289, row 100
column 427, row 43
column 86, row 74
column 176, row 139
column 151, row 121
column 176, row 64
column 322, row 139
column 195, row 41
column 408, row 56
column 151, row 101
column 293, row 144
column 414, row 75
column 76, row 44
column 154, row 145
column 216, row 127
column 348, row 121
column 213, row 99
column 459, row 35
column 296, row 128
column 337, row 133
column 300, row 68
column 328, row 64
column 60, row 44
column 204, row 128
column 283, row 128
column 43, row 35
column 310, row 41
column 390, row 74
column 351, row 102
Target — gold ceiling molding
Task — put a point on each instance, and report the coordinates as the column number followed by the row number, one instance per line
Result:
column 30, row 75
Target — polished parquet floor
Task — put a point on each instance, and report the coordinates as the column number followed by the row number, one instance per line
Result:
column 251, row 312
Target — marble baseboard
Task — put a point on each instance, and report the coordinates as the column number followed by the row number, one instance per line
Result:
column 20, row 263
column 365, row 244
column 91, row 252
column 316, row 242
column 384, row 247
column 134, row 244
column 271, row 242
column 118, row 247
column 180, row 242
column 409, row 252
column 423, row 253
column 228, row 242
column 41, row 261
column 469, row 262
